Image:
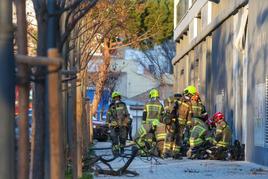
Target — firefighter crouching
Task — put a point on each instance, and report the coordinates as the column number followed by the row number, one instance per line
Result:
column 222, row 138
column 144, row 139
column 117, row 121
column 150, row 138
column 199, row 132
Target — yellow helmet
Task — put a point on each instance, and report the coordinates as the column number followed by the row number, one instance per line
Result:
column 116, row 94
column 154, row 93
column 190, row 90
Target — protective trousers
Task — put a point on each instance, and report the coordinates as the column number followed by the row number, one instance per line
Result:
column 119, row 137
column 160, row 136
column 172, row 145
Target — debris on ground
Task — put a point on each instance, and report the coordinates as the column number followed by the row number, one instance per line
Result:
column 190, row 170
column 258, row 171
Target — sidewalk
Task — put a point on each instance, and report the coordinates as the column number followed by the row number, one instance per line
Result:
column 192, row 169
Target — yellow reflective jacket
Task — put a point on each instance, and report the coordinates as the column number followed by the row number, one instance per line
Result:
column 153, row 110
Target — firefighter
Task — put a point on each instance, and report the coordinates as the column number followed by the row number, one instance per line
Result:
column 144, row 139
column 199, row 139
column 153, row 109
column 199, row 131
column 150, row 138
column 170, row 125
column 181, row 119
column 160, row 137
column 117, row 121
column 199, row 110
column 222, row 136
column 183, row 109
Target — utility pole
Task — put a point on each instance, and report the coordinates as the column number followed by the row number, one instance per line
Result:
column 7, row 92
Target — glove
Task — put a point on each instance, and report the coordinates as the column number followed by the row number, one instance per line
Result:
column 113, row 124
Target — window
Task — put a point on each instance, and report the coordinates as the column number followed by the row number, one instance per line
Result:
column 197, row 62
column 182, row 8
column 182, row 72
column 192, row 66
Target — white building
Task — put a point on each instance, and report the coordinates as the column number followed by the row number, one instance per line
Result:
column 134, row 79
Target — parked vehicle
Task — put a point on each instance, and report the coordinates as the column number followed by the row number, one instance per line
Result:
column 100, row 131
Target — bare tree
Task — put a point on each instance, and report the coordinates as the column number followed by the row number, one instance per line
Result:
column 158, row 60
column 23, row 72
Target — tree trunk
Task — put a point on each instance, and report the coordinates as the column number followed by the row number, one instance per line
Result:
column 84, row 113
column 90, row 123
column 7, row 92
column 23, row 142
column 103, row 72
column 79, row 126
column 38, row 137
column 72, row 127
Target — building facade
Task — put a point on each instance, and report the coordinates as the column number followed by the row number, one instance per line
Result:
column 221, row 48
column 134, row 79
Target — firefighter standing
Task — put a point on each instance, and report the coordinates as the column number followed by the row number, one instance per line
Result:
column 153, row 112
column 181, row 119
column 117, row 120
column 152, row 131
column 153, row 109
column 185, row 118
column 199, row 110
column 171, row 125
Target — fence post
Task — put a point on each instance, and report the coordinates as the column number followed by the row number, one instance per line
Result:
column 55, row 124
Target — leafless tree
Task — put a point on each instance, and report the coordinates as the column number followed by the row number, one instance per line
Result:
column 158, row 60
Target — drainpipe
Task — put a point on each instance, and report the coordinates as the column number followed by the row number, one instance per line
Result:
column 7, row 92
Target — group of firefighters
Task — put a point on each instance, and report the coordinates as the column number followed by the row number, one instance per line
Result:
column 180, row 127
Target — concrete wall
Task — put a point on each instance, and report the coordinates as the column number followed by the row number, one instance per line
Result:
column 229, row 69
column 257, row 73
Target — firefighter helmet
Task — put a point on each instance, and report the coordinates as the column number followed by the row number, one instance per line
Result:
column 195, row 97
column 190, row 90
column 154, row 93
column 217, row 117
column 116, row 94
